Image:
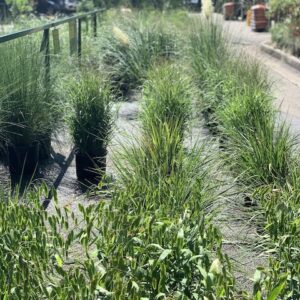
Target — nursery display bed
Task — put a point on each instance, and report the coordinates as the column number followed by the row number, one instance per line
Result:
column 60, row 170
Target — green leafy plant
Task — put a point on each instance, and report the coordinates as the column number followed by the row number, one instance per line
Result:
column 38, row 250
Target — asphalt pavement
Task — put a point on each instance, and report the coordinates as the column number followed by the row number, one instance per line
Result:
column 285, row 79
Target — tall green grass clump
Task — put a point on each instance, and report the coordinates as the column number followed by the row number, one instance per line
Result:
column 260, row 147
column 168, row 96
column 166, row 110
column 91, row 120
column 164, row 223
column 91, row 123
column 209, row 48
column 130, row 48
column 159, row 167
column 30, row 110
column 28, row 102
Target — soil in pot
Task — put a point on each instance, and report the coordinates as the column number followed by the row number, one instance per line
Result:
column 23, row 160
column 90, row 168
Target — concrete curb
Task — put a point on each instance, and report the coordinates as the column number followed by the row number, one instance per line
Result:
column 291, row 60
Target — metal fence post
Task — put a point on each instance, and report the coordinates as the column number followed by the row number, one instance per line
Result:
column 87, row 24
column 79, row 37
column 73, row 36
column 95, row 24
column 45, row 47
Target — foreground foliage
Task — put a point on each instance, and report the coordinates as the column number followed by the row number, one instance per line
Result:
column 153, row 239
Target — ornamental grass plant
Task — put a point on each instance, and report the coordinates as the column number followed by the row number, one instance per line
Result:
column 129, row 48
column 209, row 48
column 168, row 96
column 91, row 119
column 29, row 104
column 260, row 150
column 167, row 189
column 91, row 122
column 261, row 147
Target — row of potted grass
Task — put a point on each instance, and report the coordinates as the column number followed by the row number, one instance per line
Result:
column 260, row 151
column 32, row 112
column 153, row 239
column 158, row 241
column 32, row 108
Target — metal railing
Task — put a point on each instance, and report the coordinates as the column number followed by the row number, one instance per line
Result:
column 75, row 44
column 75, row 34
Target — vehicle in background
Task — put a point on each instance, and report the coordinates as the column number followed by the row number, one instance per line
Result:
column 193, row 4
column 4, row 11
column 56, row 6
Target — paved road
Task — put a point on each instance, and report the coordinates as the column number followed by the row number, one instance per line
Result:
column 285, row 78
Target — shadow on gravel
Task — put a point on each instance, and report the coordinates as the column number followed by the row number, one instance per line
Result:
column 64, row 165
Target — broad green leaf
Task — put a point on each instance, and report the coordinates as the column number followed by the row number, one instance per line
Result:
column 164, row 254
column 216, row 267
column 276, row 292
column 257, row 276
column 135, row 286
column 58, row 260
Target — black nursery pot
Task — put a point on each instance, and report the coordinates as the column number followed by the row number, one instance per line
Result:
column 90, row 168
column 23, row 160
column 45, row 147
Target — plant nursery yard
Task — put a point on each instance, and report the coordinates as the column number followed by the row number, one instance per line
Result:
column 151, row 163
